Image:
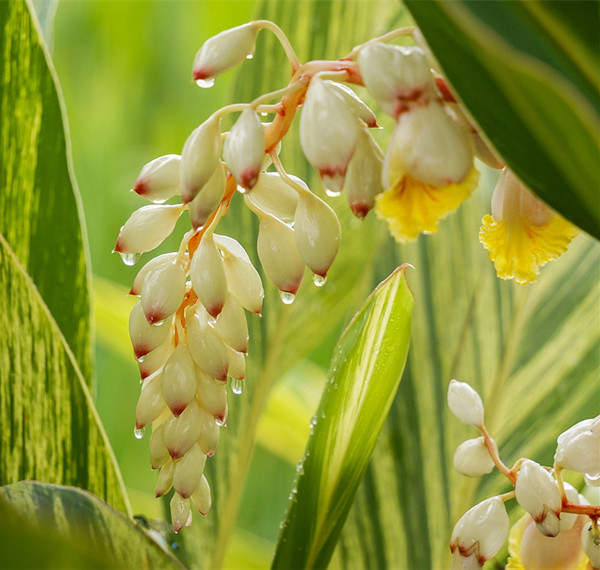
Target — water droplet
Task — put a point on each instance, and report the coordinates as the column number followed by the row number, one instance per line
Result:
column 129, row 258
column 212, row 321
column 138, row 433
column 237, row 385
column 249, row 56
column 264, row 114
column 287, row 297
column 205, row 83
column 220, row 421
column 319, row 280
column 158, row 323
column 333, row 192
column 242, row 190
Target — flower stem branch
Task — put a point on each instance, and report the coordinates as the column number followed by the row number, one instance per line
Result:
column 283, row 40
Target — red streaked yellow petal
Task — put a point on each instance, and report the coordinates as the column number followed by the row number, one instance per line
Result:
column 412, row 207
column 519, row 247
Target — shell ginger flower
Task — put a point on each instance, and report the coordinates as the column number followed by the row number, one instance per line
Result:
column 522, row 234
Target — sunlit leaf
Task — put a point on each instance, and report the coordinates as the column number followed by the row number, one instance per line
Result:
column 528, row 74
column 97, row 533
column 364, row 376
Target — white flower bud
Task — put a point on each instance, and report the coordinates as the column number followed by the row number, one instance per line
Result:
column 147, row 228
column 206, row 348
column 237, row 364
column 481, row 531
column 472, row 458
column 273, row 195
column 355, row 103
column 150, row 403
column 200, row 157
column 206, row 202
column 179, row 380
column 162, row 291
column 224, row 51
column 182, row 432
column 244, row 149
column 590, row 542
column 208, row 437
column 538, row 493
column 159, row 454
column 363, row 177
column 396, row 75
column 278, row 254
column 465, row 403
column 208, row 275
column 155, row 359
column 201, row 496
column 164, row 481
column 328, row 132
column 165, row 258
column 188, row 472
column 231, row 325
column 212, row 395
column 181, row 514
column 317, row 232
column 428, row 146
column 578, row 448
column 159, row 179
column 243, row 280
column 144, row 336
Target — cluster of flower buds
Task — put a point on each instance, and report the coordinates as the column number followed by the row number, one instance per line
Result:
column 554, row 533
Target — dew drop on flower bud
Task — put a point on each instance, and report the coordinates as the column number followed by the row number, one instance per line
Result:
column 319, row 280
column 138, row 433
column 129, row 258
column 219, row 421
column 249, row 56
column 205, row 83
column 333, row 193
column 286, row 297
column 237, row 385
column 241, row 189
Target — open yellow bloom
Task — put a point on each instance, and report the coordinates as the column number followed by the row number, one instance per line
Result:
column 412, row 207
column 522, row 234
column 529, row 549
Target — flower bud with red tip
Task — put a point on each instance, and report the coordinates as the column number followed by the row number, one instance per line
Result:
column 188, row 471
column 179, row 380
column 163, row 290
column 144, row 336
column 208, row 275
column 159, row 179
column 207, row 201
column 206, row 347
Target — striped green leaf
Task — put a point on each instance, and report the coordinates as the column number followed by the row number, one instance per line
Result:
column 528, row 74
column 88, row 532
column 363, row 379
column 49, row 429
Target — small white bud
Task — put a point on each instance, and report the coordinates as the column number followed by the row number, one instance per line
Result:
column 363, row 177
column 159, row 454
column 208, row 437
column 200, row 158
column 317, row 232
column 144, row 336
column 206, row 348
column 212, row 395
column 538, row 493
column 231, row 325
column 465, row 403
column 182, row 432
column 181, row 514
column 206, row 201
column 188, row 472
column 208, row 275
column 179, row 380
column 162, row 291
column 159, row 179
column 224, row 51
column 201, row 496
column 472, row 458
column 155, row 359
column 481, row 531
column 397, row 76
column 150, row 403
column 154, row 263
column 243, row 281
column 147, row 228
column 164, row 481
column 328, row 132
column 578, row 448
column 244, row 149
column 273, row 195
column 590, row 542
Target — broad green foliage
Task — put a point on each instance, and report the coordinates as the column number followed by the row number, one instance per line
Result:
column 49, row 427
column 528, row 74
column 364, row 376
column 100, row 536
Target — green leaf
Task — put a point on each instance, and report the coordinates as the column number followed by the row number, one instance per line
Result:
column 49, row 427
column 89, row 532
column 365, row 374
column 528, row 74
column 532, row 352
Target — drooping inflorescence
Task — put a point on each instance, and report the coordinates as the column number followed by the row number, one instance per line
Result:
column 560, row 528
column 189, row 330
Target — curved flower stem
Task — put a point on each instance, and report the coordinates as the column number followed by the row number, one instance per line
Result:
column 406, row 31
column 489, row 444
column 283, row 40
column 285, row 176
